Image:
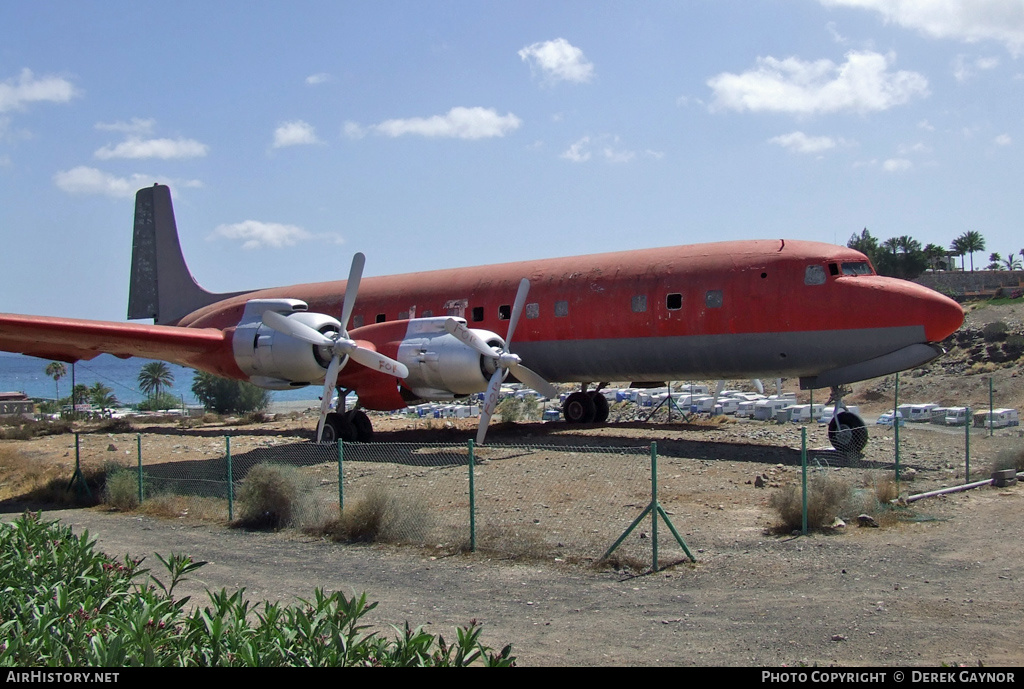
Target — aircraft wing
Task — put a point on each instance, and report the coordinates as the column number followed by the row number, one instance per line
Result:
column 70, row 340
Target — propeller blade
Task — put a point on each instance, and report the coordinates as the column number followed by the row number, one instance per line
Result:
column 378, row 362
column 355, row 275
column 490, row 404
column 534, row 381
column 468, row 337
column 330, row 380
column 517, row 310
column 293, row 328
column 758, row 385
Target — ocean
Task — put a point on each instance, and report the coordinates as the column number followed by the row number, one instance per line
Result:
column 19, row 373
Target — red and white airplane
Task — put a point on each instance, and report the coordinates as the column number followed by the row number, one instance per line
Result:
column 743, row 309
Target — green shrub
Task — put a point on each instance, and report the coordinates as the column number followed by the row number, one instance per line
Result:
column 267, row 496
column 116, row 614
column 121, row 489
column 377, row 516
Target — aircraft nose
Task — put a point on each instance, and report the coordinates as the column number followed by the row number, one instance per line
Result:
column 944, row 316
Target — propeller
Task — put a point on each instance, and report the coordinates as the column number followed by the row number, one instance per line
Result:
column 339, row 345
column 504, row 361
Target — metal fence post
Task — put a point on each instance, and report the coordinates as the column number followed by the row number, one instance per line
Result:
column 472, row 498
column 967, row 445
column 341, row 480
column 138, row 452
column 231, row 480
column 803, row 469
column 991, row 409
column 896, row 427
column 654, row 512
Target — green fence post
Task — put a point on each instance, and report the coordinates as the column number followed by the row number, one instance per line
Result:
column 654, row 512
column 991, row 409
column 803, row 469
column 896, row 428
column 231, row 480
column 472, row 499
column 138, row 452
column 967, row 446
column 341, row 481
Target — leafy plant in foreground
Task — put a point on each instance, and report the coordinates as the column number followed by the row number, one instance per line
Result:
column 65, row 604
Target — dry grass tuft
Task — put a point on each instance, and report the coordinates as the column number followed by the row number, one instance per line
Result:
column 827, row 496
column 1009, row 459
column 378, row 516
column 267, row 497
column 121, row 489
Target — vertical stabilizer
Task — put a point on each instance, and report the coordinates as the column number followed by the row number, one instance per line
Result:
column 162, row 288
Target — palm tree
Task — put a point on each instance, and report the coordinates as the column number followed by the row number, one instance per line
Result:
column 970, row 242
column 101, row 396
column 56, row 370
column 153, row 376
column 1011, row 262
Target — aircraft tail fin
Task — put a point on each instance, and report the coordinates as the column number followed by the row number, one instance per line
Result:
column 161, row 288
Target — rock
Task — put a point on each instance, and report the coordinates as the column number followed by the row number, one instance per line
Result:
column 759, row 482
column 867, row 520
column 838, row 524
column 111, row 447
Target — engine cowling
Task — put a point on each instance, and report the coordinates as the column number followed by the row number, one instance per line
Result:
column 276, row 361
column 440, row 366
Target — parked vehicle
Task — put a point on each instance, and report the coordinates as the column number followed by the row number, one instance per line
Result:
column 1000, row 418
column 917, row 413
column 956, row 416
column 887, row 419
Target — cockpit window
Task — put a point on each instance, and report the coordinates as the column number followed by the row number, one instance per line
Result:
column 856, row 268
column 814, row 275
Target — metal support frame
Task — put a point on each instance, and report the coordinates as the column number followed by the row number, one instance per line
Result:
column 654, row 509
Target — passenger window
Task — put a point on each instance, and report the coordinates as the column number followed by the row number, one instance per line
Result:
column 561, row 309
column 713, row 299
column 639, row 303
column 833, row 269
column 814, row 275
column 504, row 312
column 428, row 314
column 533, row 310
column 478, row 313
column 357, row 321
column 674, row 302
column 403, row 315
column 381, row 318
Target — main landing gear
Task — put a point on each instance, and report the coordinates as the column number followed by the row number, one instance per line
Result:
column 350, row 426
column 846, row 430
column 585, row 407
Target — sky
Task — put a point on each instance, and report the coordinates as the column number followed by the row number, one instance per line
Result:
column 445, row 134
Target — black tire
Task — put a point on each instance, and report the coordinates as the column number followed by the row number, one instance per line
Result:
column 338, row 427
column 579, row 408
column 362, row 425
column 600, row 407
column 847, row 433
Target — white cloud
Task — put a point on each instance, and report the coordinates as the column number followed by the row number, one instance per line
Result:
column 897, row 165
column 964, row 69
column 353, row 130
column 256, row 235
column 1003, row 140
column 864, row 83
column 16, row 94
column 799, row 142
column 458, row 123
column 559, row 60
column 136, row 126
column 296, row 133
column 319, row 78
column 964, row 20
column 135, row 147
column 89, row 180
column 578, row 152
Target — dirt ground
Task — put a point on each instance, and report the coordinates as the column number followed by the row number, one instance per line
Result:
column 942, row 587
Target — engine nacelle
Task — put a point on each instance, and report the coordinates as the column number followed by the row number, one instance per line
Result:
column 440, row 365
column 276, row 361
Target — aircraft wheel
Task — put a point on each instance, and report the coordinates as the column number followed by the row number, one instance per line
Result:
column 600, row 407
column 847, row 433
column 362, row 425
column 579, row 408
column 338, row 427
